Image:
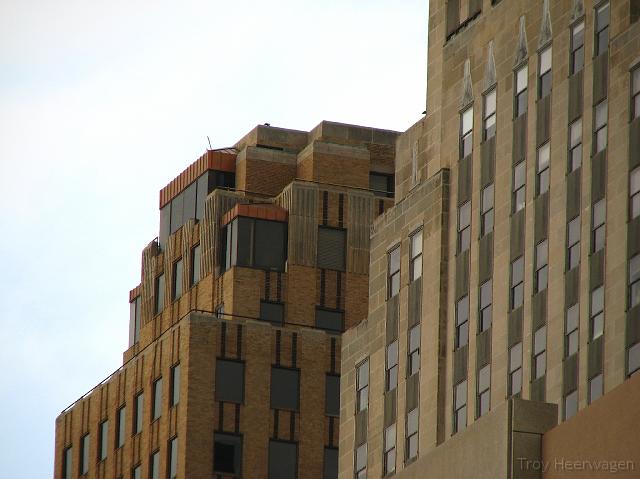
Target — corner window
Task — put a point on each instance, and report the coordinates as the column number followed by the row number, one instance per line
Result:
column 486, row 305
column 285, row 388
column 466, row 132
column 597, row 312
column 519, row 181
column 521, row 100
column 332, row 244
column 540, row 352
column 515, row 369
column 572, row 323
column 362, row 386
column 575, row 145
column 484, row 391
column 598, row 217
column 542, row 266
column 544, row 79
column 517, row 283
column 177, row 280
column 464, row 227
column 413, row 361
column 159, row 294
column 600, row 126
column 227, row 454
column 634, row 281
column 573, row 243
column 391, row 376
column 460, row 406
column 634, row 193
column 411, row 448
column 489, row 116
column 635, row 93
column 389, row 449
column 486, row 210
column 577, row 48
column 393, row 268
column 462, row 322
column 254, row 243
column 283, row 459
column 382, row 184
column 156, row 410
column 602, row 29
column 134, row 321
column 195, row 265
column 229, row 381
column 543, row 168
column 571, row 404
column 415, row 261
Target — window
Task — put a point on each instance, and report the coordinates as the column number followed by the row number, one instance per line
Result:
column 602, row 29
column 103, row 440
column 599, row 213
column 330, row 467
column 255, row 243
column 227, row 453
column 634, row 193
column 544, row 80
column 136, row 472
column 329, row 319
column 134, row 320
column 175, row 386
column 486, row 210
column 577, row 48
column 381, row 184
column 489, row 120
column 571, row 332
column 360, row 462
column 121, row 424
column 542, row 266
column 173, row 458
column 391, row 380
column 633, row 359
column 571, row 404
column 67, row 462
column 486, row 305
column 519, row 180
column 415, row 261
column 138, row 413
column 285, row 388
column 272, row 312
column 332, row 244
column 466, row 132
column 597, row 312
column 462, row 322
column 464, row 227
column 84, row 454
column 283, row 459
column 156, row 411
column 411, row 449
column 195, row 265
column 522, row 80
column 543, row 168
column 635, row 94
column 575, row 145
column 413, row 361
column 517, row 283
column 515, row 369
column 362, row 386
column 389, row 459
column 229, row 381
column 484, row 391
column 595, row 387
column 460, row 406
column 573, row 243
column 154, row 465
column 600, row 126
column 159, row 294
column 393, row 280
column 332, row 395
column 177, row 280
column 540, row 352
column 634, row 281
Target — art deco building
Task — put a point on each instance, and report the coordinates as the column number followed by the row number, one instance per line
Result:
column 504, row 295
column 233, row 368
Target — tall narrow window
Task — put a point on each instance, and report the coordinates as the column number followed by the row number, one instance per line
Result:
column 489, row 119
column 120, row 435
column 595, row 387
column 413, row 361
column 138, row 413
column 486, row 210
column 635, row 93
column 521, row 101
column 415, row 263
column 159, row 294
column 462, row 322
column 103, row 440
column 633, row 359
column 543, row 168
column 571, row 332
column 484, row 391
column 544, row 79
column 519, row 180
column 390, row 449
column 634, row 193
column 460, row 406
column 195, row 265
column 466, row 132
column 598, row 216
column 515, row 369
column 157, row 399
column 154, row 465
column 634, row 281
column 517, row 283
column 134, row 320
column 177, row 280
column 464, row 227
column 571, row 404
column 67, row 463
column 227, row 454
column 411, row 449
column 602, row 29
column 542, row 266
column 360, row 462
column 175, row 385
column 173, row 458
column 600, row 126
column 573, row 243
column 577, row 48
column 393, row 280
column 136, row 472
column 575, row 145
column 540, row 352
column 362, row 386
column 391, row 380
column 84, row 454
column 597, row 312
column 486, row 305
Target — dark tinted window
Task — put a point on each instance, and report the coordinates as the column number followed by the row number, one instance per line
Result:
column 227, row 453
column 159, row 294
column 283, row 460
column 165, row 224
column 84, row 454
column 381, row 184
column 331, row 248
column 67, row 463
column 332, row 395
column 175, row 384
column 222, row 179
column 195, row 264
column 189, row 202
column 134, row 321
column 201, row 194
column 104, row 434
column 330, row 463
column 157, row 399
column 138, row 413
column 176, row 213
column 271, row 311
column 122, row 412
column 177, row 279
column 270, row 245
column 329, row 319
column 229, row 381
column 285, row 388
column 254, row 243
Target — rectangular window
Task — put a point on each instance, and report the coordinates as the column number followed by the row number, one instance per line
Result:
column 634, row 281
column 571, row 404
column 389, row 460
column 391, row 380
column 382, row 184
column 540, row 352
column 595, row 387
column 517, row 283
column 120, row 435
column 330, row 463
column 635, row 94
column 173, row 458
column 600, row 126
column 393, row 279
column 602, row 29
column 634, row 193
column 571, row 331
column 156, row 411
column 486, row 305
column 460, row 406
column 175, row 386
column 466, row 132
column 633, row 359
column 577, row 48
column 134, row 320
column 462, row 322
column 260, row 244
column 464, row 227
column 285, row 388
column 332, row 395
column 521, row 101
column 542, row 266
column 489, row 120
column 542, row 176
column 154, row 465
column 573, row 243
column 515, row 369
column 138, row 413
column 519, row 181
column 103, row 440
column 195, row 265
column 136, row 472
column 360, row 462
column 575, row 145
column 283, row 459
column 67, row 463
column 411, row 448
column 597, row 312
column 413, row 361
column 362, row 386
column 272, row 311
column 332, row 245
column 329, row 319
column 598, row 217
column 159, row 294
column 229, row 381
column 177, row 280
column 484, row 391
column 84, row 454
column 415, row 261
column 227, row 454
column 544, row 80
column 486, row 210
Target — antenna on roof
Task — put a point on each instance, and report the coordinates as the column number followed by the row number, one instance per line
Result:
column 209, row 142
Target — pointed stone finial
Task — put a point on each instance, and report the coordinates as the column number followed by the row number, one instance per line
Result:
column 545, row 27
column 577, row 11
column 467, row 87
column 490, row 69
column 522, row 51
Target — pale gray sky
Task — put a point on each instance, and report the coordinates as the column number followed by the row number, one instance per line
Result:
column 101, row 105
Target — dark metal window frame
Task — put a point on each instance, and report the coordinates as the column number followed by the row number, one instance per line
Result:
column 514, row 370
column 516, row 296
column 573, row 245
column 391, row 366
column 466, row 135
column 541, row 274
column 575, row 149
column 362, row 390
column 482, row 392
column 598, row 231
column 460, row 407
column 523, row 92
column 489, row 115
column 545, row 78
column 596, row 315
column 462, row 322
column 600, row 128
column 542, row 169
column 518, row 195
column 485, row 315
column 464, row 227
column 487, row 201
column 599, row 30
column 413, row 351
column 393, row 275
column 539, row 362
column 415, row 256
column 577, row 48
column 572, row 330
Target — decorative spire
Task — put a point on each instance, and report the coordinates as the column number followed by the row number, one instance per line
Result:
column 578, row 10
column 545, row 27
column 522, row 51
column 467, row 87
column 490, row 69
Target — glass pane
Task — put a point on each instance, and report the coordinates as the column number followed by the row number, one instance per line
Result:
column 464, row 216
column 576, row 132
column 516, row 381
column 601, row 139
column 519, row 175
column 487, row 198
column 636, row 81
column 540, row 340
column 634, row 181
column 571, row 404
column 540, row 365
column 394, row 260
column 485, row 294
column 636, row 108
column 461, row 394
column 601, row 114
column 414, row 338
column 485, row 401
column 598, row 326
column 574, row 231
column 521, row 79
column 599, row 212
column 602, row 17
column 490, row 104
column 573, row 314
column 578, row 35
column 541, row 254
column 634, row 269
column 597, row 300
column 521, row 103
column 484, row 378
column 412, row 422
column 416, row 244
column 595, row 388
column 545, row 61
column 572, row 343
column 543, row 157
column 462, row 310
column 517, row 271
column 467, row 121
column 515, row 357
column 392, row 354
column 390, row 437
column 361, row 457
column 634, row 358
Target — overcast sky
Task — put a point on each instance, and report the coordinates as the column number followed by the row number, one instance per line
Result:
column 101, row 105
